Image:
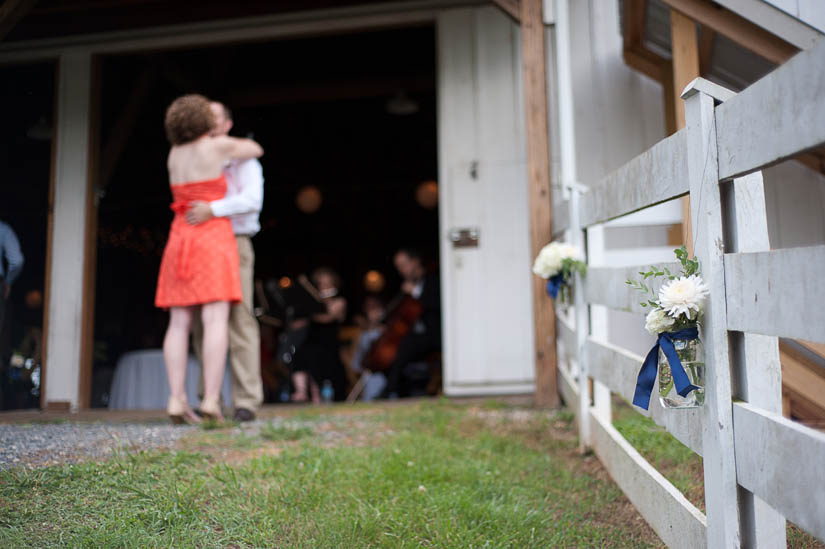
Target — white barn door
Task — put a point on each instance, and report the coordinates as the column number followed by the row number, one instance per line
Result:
column 486, row 295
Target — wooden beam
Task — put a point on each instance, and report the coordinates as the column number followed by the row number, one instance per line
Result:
column 11, row 12
column 511, row 8
column 47, row 294
column 87, row 328
column 705, row 49
column 818, row 348
column 538, row 177
column 685, row 48
column 738, row 29
column 814, row 160
column 634, row 21
column 636, row 55
column 646, row 62
column 802, row 378
column 670, row 103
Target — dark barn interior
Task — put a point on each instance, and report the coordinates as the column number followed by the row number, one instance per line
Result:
column 27, row 105
column 349, row 119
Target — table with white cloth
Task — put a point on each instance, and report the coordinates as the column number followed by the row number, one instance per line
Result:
column 140, row 382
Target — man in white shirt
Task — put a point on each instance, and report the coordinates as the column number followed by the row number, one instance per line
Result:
column 242, row 205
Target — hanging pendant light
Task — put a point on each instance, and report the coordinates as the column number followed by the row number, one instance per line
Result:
column 309, row 199
column 426, row 194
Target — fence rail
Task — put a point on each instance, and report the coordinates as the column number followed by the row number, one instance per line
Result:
column 607, row 286
column 655, row 176
column 763, row 294
column 676, row 520
column 777, row 117
column 783, row 462
column 757, row 304
column 617, row 369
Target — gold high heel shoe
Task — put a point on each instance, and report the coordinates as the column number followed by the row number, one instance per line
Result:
column 179, row 412
column 211, row 409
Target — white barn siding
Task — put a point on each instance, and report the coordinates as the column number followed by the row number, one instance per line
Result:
column 795, row 200
column 619, row 113
column 486, row 291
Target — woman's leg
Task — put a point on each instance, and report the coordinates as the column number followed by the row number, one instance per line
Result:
column 314, row 391
column 215, row 318
column 175, row 354
column 299, row 381
column 176, row 350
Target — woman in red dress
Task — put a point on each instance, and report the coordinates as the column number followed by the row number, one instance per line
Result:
column 200, row 266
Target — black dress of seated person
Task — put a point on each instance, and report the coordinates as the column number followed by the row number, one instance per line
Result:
column 424, row 338
column 319, row 356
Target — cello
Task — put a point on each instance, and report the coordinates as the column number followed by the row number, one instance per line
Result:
column 403, row 312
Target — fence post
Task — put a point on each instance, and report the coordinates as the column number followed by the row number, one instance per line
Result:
column 721, row 494
column 755, row 356
column 598, row 320
column 582, row 321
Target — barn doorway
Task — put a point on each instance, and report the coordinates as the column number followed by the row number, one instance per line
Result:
column 27, row 99
column 348, row 123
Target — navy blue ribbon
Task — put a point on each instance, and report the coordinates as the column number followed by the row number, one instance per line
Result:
column 647, row 375
column 554, row 285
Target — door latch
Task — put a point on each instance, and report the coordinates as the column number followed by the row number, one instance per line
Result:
column 465, row 237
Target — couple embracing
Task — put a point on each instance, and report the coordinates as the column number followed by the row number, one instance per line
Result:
column 206, row 272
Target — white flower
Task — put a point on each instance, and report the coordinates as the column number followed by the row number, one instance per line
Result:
column 685, row 295
column 550, row 258
column 657, row 321
column 548, row 262
column 568, row 251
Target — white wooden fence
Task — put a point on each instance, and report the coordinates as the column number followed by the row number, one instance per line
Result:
column 760, row 468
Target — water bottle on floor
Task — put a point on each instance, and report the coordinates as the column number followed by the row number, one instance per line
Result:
column 327, row 392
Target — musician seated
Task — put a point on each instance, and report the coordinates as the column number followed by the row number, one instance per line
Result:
column 371, row 329
column 424, row 338
column 318, row 358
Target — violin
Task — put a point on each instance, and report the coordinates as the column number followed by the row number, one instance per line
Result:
column 403, row 312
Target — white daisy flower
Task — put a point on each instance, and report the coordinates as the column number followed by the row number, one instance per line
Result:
column 684, row 295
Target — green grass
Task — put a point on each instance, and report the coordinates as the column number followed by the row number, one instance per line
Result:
column 284, row 432
column 674, row 460
column 432, row 475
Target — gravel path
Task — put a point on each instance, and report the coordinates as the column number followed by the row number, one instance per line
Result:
column 37, row 445
column 41, row 444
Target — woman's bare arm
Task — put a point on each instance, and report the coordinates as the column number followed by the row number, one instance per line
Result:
column 238, row 148
column 336, row 311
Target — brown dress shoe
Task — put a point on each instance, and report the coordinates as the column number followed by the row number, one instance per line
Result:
column 242, row 414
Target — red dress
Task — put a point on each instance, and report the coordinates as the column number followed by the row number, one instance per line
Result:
column 200, row 263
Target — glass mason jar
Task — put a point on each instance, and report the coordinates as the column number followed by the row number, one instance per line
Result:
column 691, row 354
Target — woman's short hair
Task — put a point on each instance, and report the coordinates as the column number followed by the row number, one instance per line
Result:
column 188, row 118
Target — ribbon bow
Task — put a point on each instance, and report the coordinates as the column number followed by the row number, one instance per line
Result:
column 554, row 285
column 647, row 375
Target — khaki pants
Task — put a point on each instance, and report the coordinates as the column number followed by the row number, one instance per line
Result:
column 244, row 338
